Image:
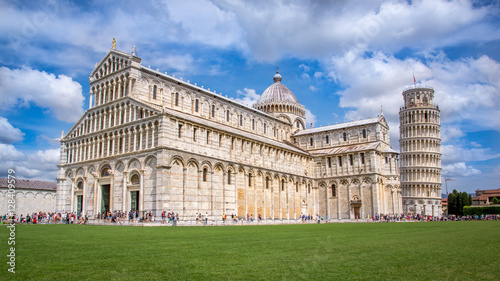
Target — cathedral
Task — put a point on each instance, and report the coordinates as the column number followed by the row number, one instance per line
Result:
column 152, row 142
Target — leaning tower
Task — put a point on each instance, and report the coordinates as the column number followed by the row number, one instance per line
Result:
column 420, row 158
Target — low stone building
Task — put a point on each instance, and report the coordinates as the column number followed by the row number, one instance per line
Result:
column 485, row 197
column 30, row 196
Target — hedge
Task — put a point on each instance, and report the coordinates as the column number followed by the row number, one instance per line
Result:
column 487, row 210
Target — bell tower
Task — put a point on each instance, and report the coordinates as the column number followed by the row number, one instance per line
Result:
column 420, row 157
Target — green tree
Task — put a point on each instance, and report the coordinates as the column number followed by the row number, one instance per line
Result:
column 495, row 201
column 457, row 201
column 453, row 202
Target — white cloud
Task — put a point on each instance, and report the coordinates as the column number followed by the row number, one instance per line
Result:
column 450, row 132
column 9, row 153
column 202, row 21
column 59, row 95
column 452, row 154
column 475, row 144
column 249, row 98
column 310, row 118
column 41, row 164
column 276, row 28
column 460, row 170
column 181, row 63
column 9, row 133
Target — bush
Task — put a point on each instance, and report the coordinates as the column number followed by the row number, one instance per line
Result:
column 487, row 210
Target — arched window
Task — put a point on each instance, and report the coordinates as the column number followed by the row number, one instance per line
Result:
column 267, row 182
column 311, row 142
column 241, row 120
column 334, row 191
column 249, row 179
column 105, row 172
column 213, row 111
column 265, row 128
column 364, row 133
column 196, row 105
column 309, row 188
column 176, row 103
column 327, row 139
column 297, row 187
column 227, row 115
column 282, row 185
column 154, row 92
column 253, row 124
column 134, row 179
column 205, row 171
column 344, row 136
column 229, row 177
column 298, row 124
column 79, row 185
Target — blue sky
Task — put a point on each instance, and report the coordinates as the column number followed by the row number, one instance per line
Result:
column 344, row 60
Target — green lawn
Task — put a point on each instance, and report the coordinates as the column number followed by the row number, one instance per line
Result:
column 370, row 251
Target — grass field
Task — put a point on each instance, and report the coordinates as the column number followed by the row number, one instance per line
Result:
column 370, row 251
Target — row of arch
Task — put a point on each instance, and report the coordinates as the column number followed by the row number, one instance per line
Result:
column 112, row 89
column 420, row 159
column 432, row 131
column 334, row 138
column 420, row 145
column 414, row 116
column 412, row 174
column 111, row 116
column 32, row 194
column 134, row 138
column 281, row 107
column 431, row 190
column 112, row 64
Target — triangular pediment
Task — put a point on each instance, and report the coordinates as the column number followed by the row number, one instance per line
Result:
column 113, row 54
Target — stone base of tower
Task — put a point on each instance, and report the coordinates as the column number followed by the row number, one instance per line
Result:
column 422, row 206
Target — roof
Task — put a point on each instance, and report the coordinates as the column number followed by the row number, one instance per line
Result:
column 340, row 126
column 346, row 149
column 30, row 184
column 277, row 92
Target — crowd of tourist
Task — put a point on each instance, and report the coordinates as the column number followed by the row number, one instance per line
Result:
column 172, row 218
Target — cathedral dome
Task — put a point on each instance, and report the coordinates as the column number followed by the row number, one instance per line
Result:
column 278, row 100
column 277, row 92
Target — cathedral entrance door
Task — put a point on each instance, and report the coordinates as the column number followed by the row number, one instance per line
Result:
column 134, row 200
column 356, row 212
column 105, row 198
column 79, row 204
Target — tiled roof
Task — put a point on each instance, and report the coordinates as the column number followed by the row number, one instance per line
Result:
column 339, row 126
column 30, row 184
column 346, row 149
